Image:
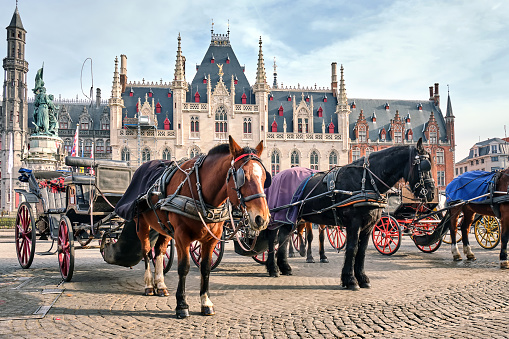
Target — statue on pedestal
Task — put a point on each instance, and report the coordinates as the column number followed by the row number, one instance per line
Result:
column 45, row 112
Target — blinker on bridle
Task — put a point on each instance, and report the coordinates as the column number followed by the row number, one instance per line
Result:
column 423, row 165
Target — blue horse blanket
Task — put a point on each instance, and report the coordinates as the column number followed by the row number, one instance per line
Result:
column 286, row 187
column 469, row 185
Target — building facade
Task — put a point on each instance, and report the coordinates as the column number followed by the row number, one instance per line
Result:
column 314, row 127
column 489, row 155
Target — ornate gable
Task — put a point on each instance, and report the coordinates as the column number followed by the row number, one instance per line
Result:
column 303, row 115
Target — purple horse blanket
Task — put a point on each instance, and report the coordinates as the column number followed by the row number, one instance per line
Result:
column 286, row 188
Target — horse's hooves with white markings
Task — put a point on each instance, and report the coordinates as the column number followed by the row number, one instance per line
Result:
column 163, row 292
column 149, row 291
column 207, row 310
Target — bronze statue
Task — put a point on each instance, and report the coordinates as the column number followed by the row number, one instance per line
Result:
column 45, row 112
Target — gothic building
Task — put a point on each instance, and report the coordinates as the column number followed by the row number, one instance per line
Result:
column 300, row 126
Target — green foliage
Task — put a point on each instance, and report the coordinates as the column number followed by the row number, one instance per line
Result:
column 7, row 222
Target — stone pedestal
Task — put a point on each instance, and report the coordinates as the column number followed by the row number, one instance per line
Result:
column 44, row 153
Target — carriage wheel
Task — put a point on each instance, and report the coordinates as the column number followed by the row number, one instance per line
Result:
column 447, row 236
column 387, row 235
column 66, row 248
column 167, row 257
column 217, row 253
column 296, row 240
column 487, row 232
column 425, row 227
column 336, row 236
column 25, row 236
column 262, row 257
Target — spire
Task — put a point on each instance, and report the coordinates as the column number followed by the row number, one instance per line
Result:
column 261, row 78
column 16, row 20
column 342, row 100
column 116, row 88
column 449, row 113
column 275, row 74
column 180, row 76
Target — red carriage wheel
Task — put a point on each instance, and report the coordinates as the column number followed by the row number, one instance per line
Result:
column 262, row 257
column 25, row 236
column 167, row 256
column 336, row 236
column 387, row 235
column 217, row 253
column 427, row 226
column 66, row 248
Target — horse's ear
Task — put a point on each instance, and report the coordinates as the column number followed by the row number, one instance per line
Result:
column 235, row 149
column 259, row 148
column 420, row 149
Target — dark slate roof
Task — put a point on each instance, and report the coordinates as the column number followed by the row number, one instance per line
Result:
column 16, row 20
column 220, row 53
column 160, row 94
column 418, row 119
column 280, row 98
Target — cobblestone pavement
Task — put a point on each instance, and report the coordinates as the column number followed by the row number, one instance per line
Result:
column 414, row 295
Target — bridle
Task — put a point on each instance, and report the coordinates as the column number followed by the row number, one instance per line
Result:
column 423, row 165
column 239, row 179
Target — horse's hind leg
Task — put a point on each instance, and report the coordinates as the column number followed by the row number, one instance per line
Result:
column 143, row 235
column 309, row 240
column 160, row 250
column 456, row 255
column 182, row 310
column 282, row 251
column 271, row 264
column 360, row 274
column 352, row 238
column 321, row 238
column 504, row 263
column 302, row 241
column 291, row 251
column 468, row 218
column 207, row 307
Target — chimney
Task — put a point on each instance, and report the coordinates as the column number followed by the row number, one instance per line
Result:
column 98, row 98
column 334, row 79
column 436, row 97
column 123, row 71
column 431, row 93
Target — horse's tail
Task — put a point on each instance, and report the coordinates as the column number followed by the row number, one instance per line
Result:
column 127, row 250
column 438, row 233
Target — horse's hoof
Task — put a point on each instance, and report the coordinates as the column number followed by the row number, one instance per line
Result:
column 182, row 313
column 310, row 260
column 286, row 272
column 471, row 258
column 365, row 285
column 162, row 292
column 504, row 264
column 457, row 258
column 352, row 287
column 149, row 291
column 324, row 260
column 207, row 310
column 274, row 274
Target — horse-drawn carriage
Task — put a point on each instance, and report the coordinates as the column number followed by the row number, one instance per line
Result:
column 67, row 207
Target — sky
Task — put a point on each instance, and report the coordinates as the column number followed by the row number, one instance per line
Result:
column 390, row 49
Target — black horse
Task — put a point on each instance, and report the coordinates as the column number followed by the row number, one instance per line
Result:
column 328, row 200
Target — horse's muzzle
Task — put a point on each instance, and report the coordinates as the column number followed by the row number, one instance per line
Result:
column 257, row 221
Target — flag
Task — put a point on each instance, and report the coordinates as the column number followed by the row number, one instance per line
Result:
column 75, row 145
column 10, row 163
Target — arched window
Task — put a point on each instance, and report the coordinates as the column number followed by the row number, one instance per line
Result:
column 362, row 133
column 294, row 159
column 314, row 160
column 333, row 159
column 274, row 163
column 221, row 124
column 88, row 146
column 356, row 154
column 67, row 145
column 433, row 135
column 145, row 155
column 247, row 129
column 108, row 146
column 195, row 127
column 440, row 156
column 166, row 154
column 99, row 147
column 303, row 125
column 84, row 124
column 382, row 134
column 194, row 152
column 369, row 150
column 126, row 155
column 398, row 135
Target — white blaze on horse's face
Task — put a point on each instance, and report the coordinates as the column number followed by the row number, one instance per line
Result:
column 258, row 173
column 258, row 219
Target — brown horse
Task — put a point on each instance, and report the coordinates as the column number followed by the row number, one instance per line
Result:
column 308, row 226
column 469, row 210
column 196, row 195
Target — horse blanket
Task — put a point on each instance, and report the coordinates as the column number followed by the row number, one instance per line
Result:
column 144, row 177
column 287, row 187
column 469, row 185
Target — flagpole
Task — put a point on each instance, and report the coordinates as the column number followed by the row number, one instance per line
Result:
column 10, row 166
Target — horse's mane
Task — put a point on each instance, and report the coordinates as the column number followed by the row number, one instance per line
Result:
column 360, row 161
column 225, row 149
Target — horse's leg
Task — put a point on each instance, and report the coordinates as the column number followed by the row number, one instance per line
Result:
column 352, row 239
column 291, row 251
column 453, row 227
column 468, row 218
column 271, row 264
column 182, row 310
column 360, row 274
column 160, row 250
column 309, row 239
column 207, row 307
column 282, row 251
column 302, row 241
column 504, row 210
column 143, row 235
column 321, row 248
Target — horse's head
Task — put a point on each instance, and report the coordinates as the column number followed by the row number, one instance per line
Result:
column 420, row 179
column 248, row 177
